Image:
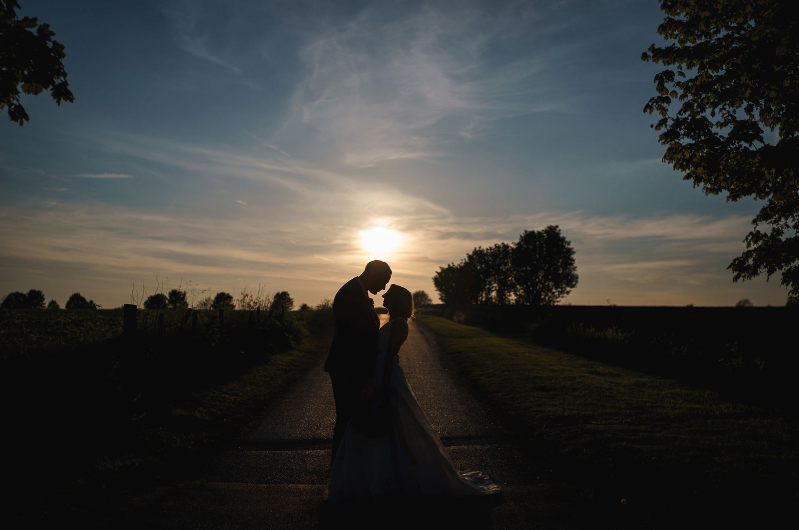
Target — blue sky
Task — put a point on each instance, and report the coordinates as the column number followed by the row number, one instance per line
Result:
column 237, row 143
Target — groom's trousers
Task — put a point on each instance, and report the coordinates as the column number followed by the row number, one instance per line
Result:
column 346, row 393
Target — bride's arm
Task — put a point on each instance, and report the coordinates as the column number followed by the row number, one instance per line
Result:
column 397, row 335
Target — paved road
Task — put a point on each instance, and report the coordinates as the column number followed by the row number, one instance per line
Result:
column 275, row 476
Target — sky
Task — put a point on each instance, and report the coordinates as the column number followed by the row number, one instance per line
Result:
column 231, row 145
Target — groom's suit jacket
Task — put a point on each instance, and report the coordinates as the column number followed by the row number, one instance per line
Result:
column 353, row 350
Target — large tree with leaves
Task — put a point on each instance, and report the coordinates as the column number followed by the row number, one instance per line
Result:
column 729, row 116
column 455, row 284
column 543, row 267
column 29, row 61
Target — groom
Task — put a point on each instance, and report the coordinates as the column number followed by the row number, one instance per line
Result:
column 351, row 357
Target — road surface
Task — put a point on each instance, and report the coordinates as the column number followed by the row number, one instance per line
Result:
column 275, row 476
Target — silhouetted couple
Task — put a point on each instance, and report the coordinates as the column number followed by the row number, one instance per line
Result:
column 383, row 445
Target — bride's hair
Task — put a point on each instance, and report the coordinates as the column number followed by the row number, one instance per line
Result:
column 400, row 301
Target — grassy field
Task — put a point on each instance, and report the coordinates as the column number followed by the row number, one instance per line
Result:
column 662, row 445
column 98, row 419
column 742, row 352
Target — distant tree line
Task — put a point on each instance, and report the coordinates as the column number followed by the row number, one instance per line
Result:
column 280, row 303
column 536, row 270
column 34, row 299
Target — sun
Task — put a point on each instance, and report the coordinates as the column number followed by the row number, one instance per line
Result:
column 380, row 241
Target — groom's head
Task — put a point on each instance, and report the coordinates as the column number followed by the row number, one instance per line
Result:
column 376, row 275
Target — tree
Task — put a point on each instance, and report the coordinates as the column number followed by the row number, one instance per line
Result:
column 76, row 301
column 421, row 299
column 177, row 299
column 455, row 284
column 304, row 307
column 15, row 300
column 281, row 303
column 482, row 284
column 744, row 302
column 734, row 72
column 543, row 267
column 156, row 301
column 52, row 304
column 501, row 272
column 34, row 299
column 223, row 300
column 29, row 60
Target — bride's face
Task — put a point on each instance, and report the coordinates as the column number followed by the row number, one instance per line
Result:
column 387, row 298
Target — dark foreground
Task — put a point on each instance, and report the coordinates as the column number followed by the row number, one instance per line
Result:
column 274, row 477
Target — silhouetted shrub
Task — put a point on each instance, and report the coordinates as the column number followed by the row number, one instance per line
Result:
column 204, row 304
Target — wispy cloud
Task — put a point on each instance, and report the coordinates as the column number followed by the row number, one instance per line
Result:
column 185, row 17
column 270, row 146
column 241, row 202
column 380, row 87
column 104, row 176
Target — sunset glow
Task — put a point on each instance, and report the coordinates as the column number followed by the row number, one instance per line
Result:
column 380, row 241
column 281, row 144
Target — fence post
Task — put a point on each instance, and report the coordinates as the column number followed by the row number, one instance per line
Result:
column 129, row 321
column 161, row 324
column 221, row 318
column 185, row 319
column 194, row 319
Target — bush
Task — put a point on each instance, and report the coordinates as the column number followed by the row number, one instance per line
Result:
column 204, row 304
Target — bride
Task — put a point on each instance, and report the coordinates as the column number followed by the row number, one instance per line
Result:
column 389, row 448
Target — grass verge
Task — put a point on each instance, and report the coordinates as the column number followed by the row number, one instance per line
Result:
column 666, row 448
column 84, row 467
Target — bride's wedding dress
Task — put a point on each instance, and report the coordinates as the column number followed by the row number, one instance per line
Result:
column 408, row 460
